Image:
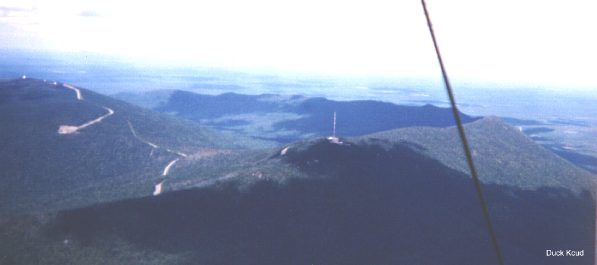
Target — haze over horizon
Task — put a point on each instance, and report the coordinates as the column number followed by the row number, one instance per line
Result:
column 531, row 43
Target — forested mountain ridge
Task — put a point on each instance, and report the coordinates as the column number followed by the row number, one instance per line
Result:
column 502, row 153
column 64, row 146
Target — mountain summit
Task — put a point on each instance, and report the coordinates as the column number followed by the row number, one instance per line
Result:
column 502, row 153
column 321, row 202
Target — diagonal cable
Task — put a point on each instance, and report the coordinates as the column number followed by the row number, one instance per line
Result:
column 465, row 145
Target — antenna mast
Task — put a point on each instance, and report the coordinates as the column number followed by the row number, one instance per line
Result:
column 333, row 139
column 334, row 131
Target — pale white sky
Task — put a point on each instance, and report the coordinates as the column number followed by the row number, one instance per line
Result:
column 536, row 42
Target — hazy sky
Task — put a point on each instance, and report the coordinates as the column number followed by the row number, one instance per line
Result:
column 549, row 43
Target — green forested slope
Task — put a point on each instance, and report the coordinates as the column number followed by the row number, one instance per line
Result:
column 42, row 170
column 502, row 154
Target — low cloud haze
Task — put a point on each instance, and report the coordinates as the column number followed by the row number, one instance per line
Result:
column 531, row 42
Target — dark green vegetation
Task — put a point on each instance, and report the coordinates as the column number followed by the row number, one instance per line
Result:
column 395, row 197
column 286, row 119
column 503, row 154
column 356, row 203
column 44, row 171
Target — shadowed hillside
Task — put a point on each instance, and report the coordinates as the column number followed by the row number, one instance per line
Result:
column 353, row 203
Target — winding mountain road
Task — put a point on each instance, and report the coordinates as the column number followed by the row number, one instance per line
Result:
column 70, row 129
column 167, row 168
column 139, row 138
column 79, row 95
column 158, row 188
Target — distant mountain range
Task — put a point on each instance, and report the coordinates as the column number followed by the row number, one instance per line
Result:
column 285, row 119
column 80, row 171
column 290, row 118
